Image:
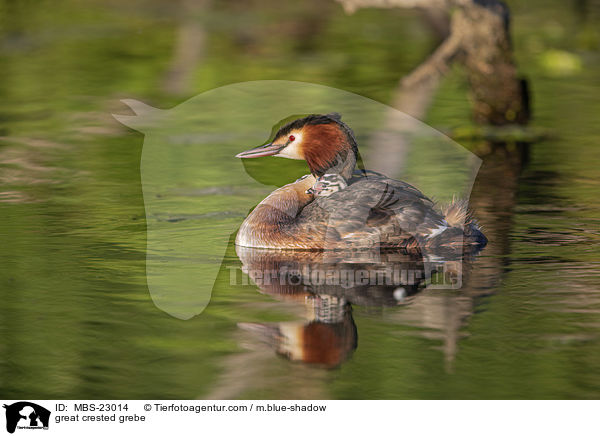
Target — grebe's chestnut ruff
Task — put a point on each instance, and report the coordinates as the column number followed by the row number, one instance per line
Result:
column 338, row 207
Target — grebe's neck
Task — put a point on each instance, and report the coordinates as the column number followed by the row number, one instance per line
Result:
column 272, row 223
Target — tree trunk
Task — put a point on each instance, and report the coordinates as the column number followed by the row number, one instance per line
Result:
column 499, row 95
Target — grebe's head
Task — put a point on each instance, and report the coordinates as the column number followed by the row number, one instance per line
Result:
column 323, row 141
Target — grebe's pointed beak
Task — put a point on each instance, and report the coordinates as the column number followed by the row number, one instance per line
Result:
column 263, row 150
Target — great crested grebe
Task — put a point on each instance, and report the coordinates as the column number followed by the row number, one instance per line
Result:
column 338, row 207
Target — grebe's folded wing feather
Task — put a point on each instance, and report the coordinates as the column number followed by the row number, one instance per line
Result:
column 375, row 205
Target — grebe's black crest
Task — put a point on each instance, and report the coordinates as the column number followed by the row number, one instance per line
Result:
column 313, row 119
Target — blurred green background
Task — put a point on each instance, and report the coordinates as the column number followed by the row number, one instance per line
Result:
column 77, row 320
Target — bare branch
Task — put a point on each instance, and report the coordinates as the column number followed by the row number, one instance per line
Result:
column 350, row 6
column 438, row 63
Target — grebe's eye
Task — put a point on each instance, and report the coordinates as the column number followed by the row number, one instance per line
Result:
column 291, row 138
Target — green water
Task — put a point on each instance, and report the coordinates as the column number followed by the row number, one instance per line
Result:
column 77, row 319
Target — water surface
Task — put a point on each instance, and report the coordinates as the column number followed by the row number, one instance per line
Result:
column 77, row 319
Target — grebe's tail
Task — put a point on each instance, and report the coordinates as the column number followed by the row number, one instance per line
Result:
column 461, row 232
column 458, row 215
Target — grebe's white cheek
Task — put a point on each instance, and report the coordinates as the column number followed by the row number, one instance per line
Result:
column 292, row 151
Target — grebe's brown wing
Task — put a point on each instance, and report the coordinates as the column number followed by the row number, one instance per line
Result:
column 376, row 206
